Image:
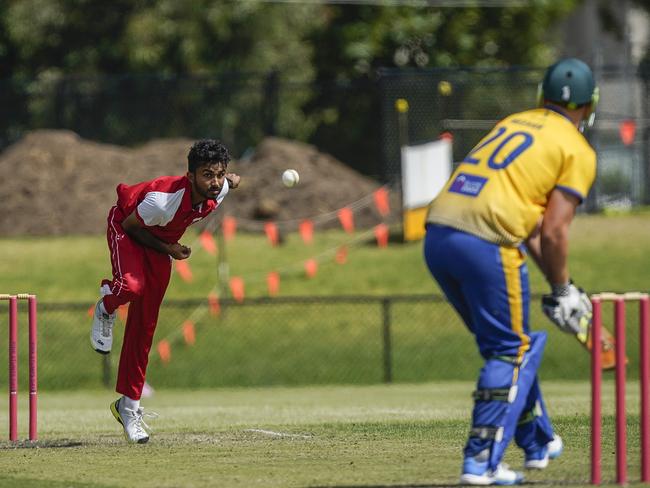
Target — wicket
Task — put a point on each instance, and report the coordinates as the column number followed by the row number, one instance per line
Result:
column 596, row 382
column 13, row 364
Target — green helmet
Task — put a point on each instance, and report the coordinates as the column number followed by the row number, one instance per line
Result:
column 570, row 83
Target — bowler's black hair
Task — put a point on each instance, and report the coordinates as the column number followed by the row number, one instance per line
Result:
column 207, row 151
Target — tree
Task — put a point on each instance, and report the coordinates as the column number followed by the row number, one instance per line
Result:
column 358, row 39
column 72, row 57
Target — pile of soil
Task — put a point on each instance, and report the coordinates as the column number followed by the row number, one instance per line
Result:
column 56, row 183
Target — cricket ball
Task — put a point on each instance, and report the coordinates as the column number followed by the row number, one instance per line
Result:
column 290, row 178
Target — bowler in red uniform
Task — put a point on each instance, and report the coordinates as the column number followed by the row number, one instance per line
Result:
column 144, row 229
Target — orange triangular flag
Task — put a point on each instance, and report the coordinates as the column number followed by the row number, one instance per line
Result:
column 123, row 312
column 229, row 226
column 164, row 351
column 213, row 303
column 188, row 332
column 381, row 201
column 311, row 268
column 273, row 283
column 341, row 255
column 627, row 131
column 347, row 219
column 208, row 243
column 307, row 231
column 271, row 231
column 237, row 288
column 91, row 311
column 381, row 234
column 184, row 271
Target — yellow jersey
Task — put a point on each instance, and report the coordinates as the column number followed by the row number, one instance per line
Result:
column 501, row 189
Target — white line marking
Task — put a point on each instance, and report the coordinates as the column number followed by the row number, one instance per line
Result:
column 278, row 434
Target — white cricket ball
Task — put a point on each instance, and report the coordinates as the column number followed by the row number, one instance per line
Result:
column 290, row 178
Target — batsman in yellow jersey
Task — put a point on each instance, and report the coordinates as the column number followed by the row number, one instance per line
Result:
column 515, row 194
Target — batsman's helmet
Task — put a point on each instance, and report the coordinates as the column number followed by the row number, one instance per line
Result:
column 569, row 83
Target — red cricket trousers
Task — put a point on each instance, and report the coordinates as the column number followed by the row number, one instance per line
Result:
column 140, row 278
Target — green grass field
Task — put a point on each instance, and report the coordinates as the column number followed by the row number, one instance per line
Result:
column 388, row 436
column 607, row 253
column 405, row 434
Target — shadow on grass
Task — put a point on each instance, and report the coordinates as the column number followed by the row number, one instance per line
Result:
column 49, row 444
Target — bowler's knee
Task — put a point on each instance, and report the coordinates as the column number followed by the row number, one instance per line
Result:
column 134, row 285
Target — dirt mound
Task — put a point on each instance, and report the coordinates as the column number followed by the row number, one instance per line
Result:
column 56, row 183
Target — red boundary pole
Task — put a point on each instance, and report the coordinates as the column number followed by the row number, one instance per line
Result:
column 621, row 433
column 596, row 384
column 644, row 376
column 13, row 368
column 33, row 370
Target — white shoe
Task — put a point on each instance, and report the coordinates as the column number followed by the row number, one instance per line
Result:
column 135, row 428
column 101, row 332
column 476, row 472
column 540, row 459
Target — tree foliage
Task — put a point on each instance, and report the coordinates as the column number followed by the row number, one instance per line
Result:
column 358, row 39
column 163, row 36
column 211, row 36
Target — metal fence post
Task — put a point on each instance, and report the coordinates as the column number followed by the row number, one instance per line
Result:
column 644, row 75
column 385, row 308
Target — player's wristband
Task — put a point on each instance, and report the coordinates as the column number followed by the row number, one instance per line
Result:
column 561, row 290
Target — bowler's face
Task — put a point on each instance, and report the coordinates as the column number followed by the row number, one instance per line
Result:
column 208, row 179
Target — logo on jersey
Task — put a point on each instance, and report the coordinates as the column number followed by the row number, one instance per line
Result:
column 466, row 184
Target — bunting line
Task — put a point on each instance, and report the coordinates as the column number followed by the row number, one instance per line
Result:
column 363, row 202
column 309, row 265
column 202, row 309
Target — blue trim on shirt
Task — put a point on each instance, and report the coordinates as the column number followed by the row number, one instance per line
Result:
column 558, row 110
column 571, row 191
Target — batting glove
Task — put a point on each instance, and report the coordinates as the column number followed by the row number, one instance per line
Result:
column 567, row 307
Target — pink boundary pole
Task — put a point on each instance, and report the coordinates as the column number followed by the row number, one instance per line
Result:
column 596, row 384
column 13, row 368
column 621, row 433
column 644, row 376
column 33, row 372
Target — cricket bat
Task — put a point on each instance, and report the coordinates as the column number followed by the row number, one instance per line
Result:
column 608, row 354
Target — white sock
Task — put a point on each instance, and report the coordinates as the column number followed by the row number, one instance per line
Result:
column 130, row 403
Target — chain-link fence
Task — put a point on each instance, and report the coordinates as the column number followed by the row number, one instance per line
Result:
column 340, row 117
column 290, row 341
column 133, row 109
column 355, row 120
